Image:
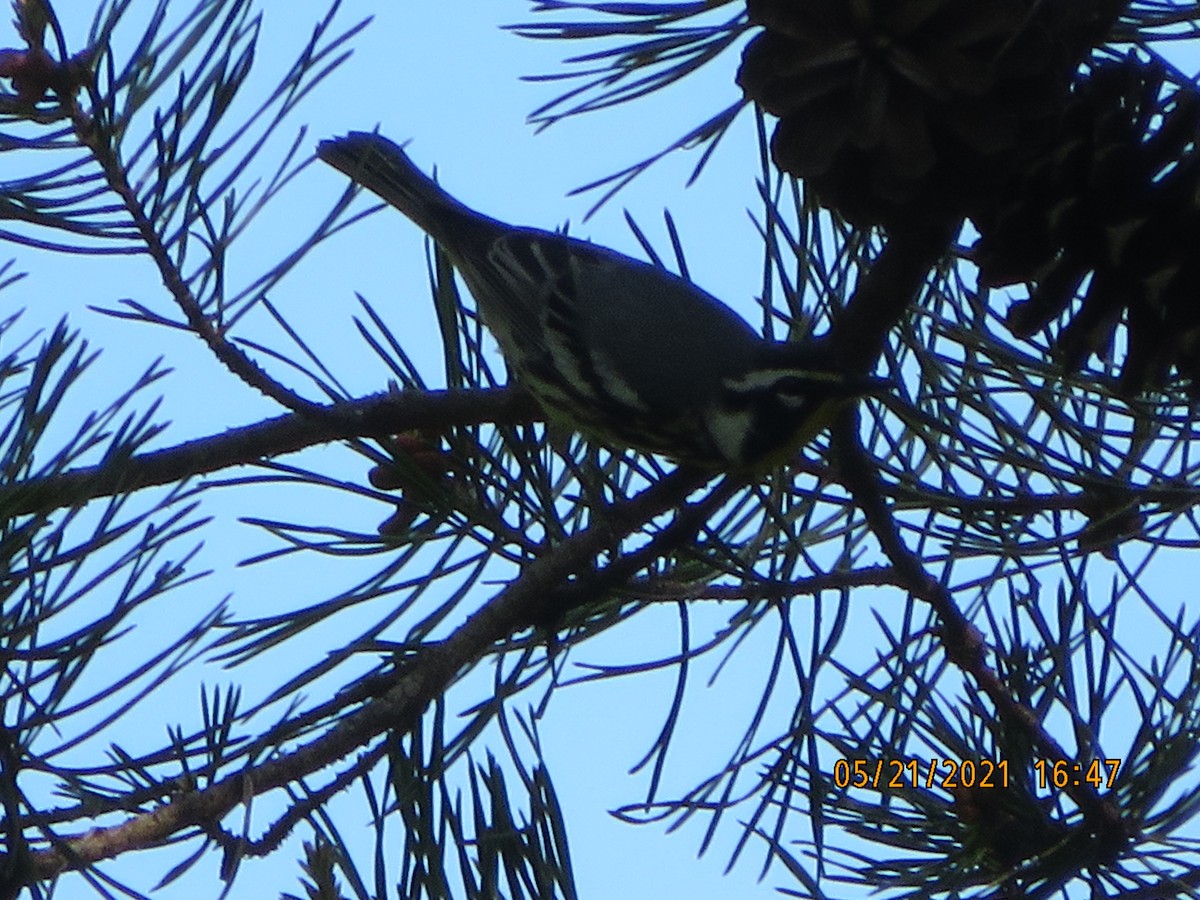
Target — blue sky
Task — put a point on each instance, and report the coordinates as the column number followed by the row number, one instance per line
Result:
column 446, row 77
column 451, row 84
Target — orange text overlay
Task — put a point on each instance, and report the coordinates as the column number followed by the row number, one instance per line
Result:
column 951, row 774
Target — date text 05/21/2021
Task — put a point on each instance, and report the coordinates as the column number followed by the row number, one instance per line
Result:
column 884, row 774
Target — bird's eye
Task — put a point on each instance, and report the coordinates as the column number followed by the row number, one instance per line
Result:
column 791, row 386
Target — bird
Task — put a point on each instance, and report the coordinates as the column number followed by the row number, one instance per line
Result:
column 622, row 351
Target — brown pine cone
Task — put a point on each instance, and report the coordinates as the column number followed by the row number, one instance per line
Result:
column 1113, row 198
column 897, row 108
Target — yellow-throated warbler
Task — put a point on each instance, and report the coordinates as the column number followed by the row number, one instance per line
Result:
column 623, row 351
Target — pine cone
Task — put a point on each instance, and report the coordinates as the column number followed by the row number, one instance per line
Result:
column 1115, row 196
column 897, row 108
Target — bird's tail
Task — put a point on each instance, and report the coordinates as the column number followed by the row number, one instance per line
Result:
column 382, row 167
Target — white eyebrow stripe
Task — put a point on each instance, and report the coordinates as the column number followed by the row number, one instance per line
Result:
column 765, row 378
